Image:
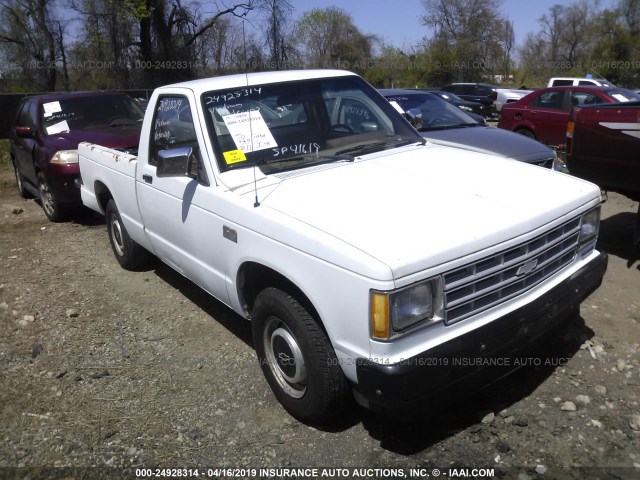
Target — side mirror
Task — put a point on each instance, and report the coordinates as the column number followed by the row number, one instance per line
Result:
column 414, row 115
column 24, row 132
column 174, row 162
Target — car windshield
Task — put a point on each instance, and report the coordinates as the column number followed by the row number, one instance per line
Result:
column 283, row 126
column 623, row 95
column 449, row 96
column 437, row 114
column 90, row 112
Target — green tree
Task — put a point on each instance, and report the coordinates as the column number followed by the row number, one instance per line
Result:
column 278, row 35
column 465, row 39
column 617, row 49
column 104, row 53
column 31, row 36
column 329, row 38
column 564, row 44
column 172, row 34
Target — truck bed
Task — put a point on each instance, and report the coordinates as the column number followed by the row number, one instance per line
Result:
column 605, row 146
column 121, row 179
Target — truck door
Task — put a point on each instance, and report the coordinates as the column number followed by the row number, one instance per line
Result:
column 176, row 211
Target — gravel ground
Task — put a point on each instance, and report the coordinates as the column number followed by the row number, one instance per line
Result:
column 102, row 367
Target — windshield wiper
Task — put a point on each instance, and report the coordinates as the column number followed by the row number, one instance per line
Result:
column 364, row 148
column 446, row 127
column 286, row 164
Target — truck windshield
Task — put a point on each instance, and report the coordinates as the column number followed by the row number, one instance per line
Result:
column 283, row 126
column 89, row 112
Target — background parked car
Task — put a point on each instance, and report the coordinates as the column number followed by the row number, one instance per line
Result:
column 483, row 93
column 543, row 114
column 465, row 105
column 45, row 137
column 509, row 95
column 577, row 81
column 442, row 123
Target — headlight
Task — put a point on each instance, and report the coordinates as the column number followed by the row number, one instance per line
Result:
column 465, row 108
column 65, row 157
column 395, row 312
column 559, row 164
column 589, row 227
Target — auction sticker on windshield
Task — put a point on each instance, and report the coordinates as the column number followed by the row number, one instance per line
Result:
column 234, row 156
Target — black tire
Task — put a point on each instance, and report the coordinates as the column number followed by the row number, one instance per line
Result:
column 526, row 132
column 130, row 255
column 19, row 180
column 297, row 358
column 48, row 201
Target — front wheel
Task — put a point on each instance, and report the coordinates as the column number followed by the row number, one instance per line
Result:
column 526, row 132
column 297, row 358
column 130, row 255
column 52, row 209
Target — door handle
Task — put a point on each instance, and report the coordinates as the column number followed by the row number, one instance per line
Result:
column 147, row 178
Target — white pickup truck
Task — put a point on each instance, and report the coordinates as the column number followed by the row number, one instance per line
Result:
column 508, row 95
column 369, row 262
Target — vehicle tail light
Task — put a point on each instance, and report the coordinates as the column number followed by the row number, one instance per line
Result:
column 569, row 143
column 494, row 95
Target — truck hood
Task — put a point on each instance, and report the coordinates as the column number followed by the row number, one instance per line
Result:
column 494, row 141
column 420, row 207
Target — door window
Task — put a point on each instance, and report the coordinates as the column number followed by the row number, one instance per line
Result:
column 173, row 127
column 356, row 116
column 27, row 117
column 549, row 100
column 582, row 98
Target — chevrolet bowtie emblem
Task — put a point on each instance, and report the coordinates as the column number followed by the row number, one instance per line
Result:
column 527, row 268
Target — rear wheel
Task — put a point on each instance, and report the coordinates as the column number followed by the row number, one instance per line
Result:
column 23, row 192
column 297, row 358
column 50, row 205
column 130, row 255
column 526, row 132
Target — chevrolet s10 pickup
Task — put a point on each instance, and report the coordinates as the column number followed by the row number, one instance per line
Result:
column 370, row 263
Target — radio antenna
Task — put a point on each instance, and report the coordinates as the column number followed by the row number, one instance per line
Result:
column 246, row 81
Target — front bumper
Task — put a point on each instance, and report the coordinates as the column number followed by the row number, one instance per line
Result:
column 64, row 181
column 473, row 361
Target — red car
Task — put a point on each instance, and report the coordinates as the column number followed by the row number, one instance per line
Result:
column 543, row 114
column 45, row 137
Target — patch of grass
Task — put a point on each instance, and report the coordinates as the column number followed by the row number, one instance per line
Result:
column 5, row 163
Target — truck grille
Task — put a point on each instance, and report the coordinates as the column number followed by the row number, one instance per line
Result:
column 475, row 287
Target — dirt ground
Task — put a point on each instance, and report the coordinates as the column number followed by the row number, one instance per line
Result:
column 101, row 367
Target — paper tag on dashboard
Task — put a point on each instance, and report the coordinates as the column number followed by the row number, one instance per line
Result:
column 51, row 108
column 249, row 131
column 62, row 126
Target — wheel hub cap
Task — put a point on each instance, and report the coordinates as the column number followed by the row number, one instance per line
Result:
column 284, row 358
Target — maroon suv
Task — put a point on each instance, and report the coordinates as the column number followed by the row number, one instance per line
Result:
column 45, row 138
